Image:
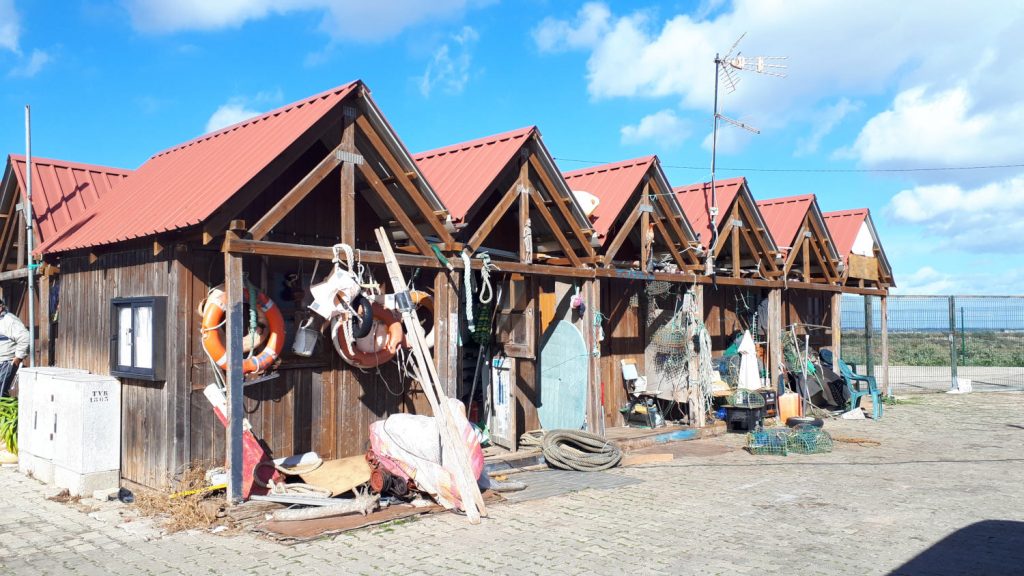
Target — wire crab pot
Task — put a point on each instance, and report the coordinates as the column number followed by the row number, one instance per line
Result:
column 743, row 398
column 809, row 440
column 768, row 442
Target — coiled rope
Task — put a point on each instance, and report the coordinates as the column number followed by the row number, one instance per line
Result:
column 578, row 450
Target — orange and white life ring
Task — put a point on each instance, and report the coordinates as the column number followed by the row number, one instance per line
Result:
column 374, row 349
column 213, row 316
column 423, row 300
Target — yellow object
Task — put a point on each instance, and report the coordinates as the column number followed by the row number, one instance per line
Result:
column 198, row 490
column 789, row 406
column 7, row 458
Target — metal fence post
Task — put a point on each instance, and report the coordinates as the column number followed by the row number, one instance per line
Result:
column 869, row 326
column 952, row 343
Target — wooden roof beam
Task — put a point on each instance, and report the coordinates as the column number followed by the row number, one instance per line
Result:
column 562, row 208
column 385, row 195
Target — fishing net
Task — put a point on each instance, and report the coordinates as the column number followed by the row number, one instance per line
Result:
column 809, row 440
column 768, row 442
column 743, row 398
column 783, row 441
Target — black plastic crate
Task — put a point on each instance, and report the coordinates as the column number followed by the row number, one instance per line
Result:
column 743, row 419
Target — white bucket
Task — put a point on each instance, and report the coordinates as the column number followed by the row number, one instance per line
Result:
column 305, row 339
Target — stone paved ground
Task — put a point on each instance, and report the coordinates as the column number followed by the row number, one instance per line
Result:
column 948, row 467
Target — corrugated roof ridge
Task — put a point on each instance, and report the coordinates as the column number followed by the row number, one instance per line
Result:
column 847, row 212
column 707, row 185
column 622, row 164
column 69, row 164
column 786, row 200
column 255, row 119
column 475, row 143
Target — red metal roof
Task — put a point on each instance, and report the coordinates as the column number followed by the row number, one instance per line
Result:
column 462, row 173
column 784, row 216
column 184, row 185
column 63, row 191
column 613, row 184
column 844, row 225
column 695, row 200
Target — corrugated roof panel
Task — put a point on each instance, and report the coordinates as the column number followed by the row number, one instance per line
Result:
column 844, row 225
column 63, row 191
column 613, row 184
column 460, row 174
column 784, row 216
column 185, row 184
column 695, row 200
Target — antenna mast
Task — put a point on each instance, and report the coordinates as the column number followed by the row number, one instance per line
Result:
column 725, row 71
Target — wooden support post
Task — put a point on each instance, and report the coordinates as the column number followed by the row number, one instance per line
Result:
column 774, row 335
column 698, row 407
column 869, row 326
column 837, row 311
column 807, row 258
column 233, row 288
column 43, row 320
column 736, row 260
column 525, row 232
column 595, row 410
column 884, row 315
column 645, row 227
column 348, row 178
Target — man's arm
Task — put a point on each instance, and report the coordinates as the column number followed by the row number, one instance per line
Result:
column 20, row 336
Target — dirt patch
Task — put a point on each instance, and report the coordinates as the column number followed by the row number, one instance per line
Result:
column 64, row 497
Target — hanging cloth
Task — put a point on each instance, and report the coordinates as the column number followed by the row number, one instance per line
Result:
column 750, row 377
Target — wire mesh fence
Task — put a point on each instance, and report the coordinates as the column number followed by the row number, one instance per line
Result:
column 937, row 340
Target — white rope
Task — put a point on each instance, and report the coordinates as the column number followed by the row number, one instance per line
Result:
column 338, row 249
column 467, row 280
column 486, row 290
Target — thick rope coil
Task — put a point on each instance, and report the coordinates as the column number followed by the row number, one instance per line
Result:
column 578, row 450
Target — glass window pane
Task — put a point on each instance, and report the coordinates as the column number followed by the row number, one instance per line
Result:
column 143, row 336
column 124, row 336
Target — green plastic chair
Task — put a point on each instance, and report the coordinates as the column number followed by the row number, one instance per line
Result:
column 853, row 385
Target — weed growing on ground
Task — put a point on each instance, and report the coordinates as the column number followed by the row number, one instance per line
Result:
column 186, row 512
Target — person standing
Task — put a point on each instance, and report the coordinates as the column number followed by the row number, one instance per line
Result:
column 13, row 347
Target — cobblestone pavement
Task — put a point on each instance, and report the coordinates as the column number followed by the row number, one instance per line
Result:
column 942, row 494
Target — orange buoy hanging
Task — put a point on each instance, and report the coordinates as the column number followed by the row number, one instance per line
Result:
column 423, row 300
column 213, row 317
column 374, row 349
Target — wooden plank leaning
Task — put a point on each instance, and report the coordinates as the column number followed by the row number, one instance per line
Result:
column 452, row 442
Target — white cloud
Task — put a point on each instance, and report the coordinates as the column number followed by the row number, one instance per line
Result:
column 30, row 67
column 930, row 281
column 553, row 35
column 851, row 50
column 945, row 128
column 10, row 29
column 342, row 19
column 824, row 123
column 663, row 128
column 987, row 218
column 239, row 108
column 449, row 67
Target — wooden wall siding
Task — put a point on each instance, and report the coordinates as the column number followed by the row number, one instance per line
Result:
column 319, row 404
column 720, row 312
column 624, row 334
column 807, row 307
column 154, row 442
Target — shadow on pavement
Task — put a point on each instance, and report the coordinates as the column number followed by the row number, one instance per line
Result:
column 988, row 547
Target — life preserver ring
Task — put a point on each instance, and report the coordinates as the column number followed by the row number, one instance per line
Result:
column 213, row 317
column 378, row 347
column 423, row 300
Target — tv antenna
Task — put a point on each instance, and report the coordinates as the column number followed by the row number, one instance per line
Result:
column 726, row 71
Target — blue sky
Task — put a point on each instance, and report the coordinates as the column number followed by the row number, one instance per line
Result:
column 871, row 86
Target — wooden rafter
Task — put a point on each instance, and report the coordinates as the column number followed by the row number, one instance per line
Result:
column 660, row 228
column 485, row 229
column 759, row 233
column 673, row 220
column 620, row 236
column 347, row 187
column 396, row 169
column 289, row 201
column 396, row 209
column 562, row 208
column 538, row 203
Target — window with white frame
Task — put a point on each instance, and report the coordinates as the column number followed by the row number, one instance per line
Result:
column 137, row 337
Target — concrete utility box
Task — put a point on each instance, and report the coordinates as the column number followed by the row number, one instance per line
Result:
column 72, row 423
column 36, row 416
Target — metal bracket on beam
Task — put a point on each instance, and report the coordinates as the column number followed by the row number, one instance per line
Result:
column 645, row 208
column 737, row 223
column 350, row 157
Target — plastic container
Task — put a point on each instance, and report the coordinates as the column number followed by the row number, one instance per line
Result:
column 789, row 406
column 738, row 419
column 305, row 339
